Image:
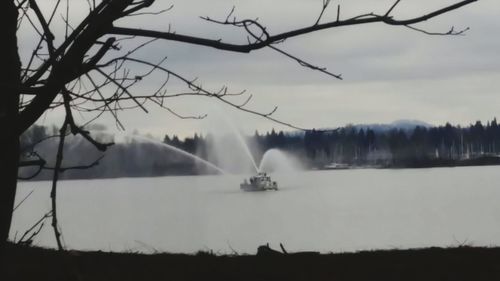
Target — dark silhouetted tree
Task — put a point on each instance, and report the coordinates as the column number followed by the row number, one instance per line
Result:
column 87, row 52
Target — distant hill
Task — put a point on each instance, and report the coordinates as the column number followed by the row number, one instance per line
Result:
column 403, row 124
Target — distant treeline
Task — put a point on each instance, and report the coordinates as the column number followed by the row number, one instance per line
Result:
column 372, row 146
column 361, row 145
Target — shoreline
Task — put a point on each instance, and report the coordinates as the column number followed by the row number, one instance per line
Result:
column 437, row 164
column 458, row 263
column 427, row 163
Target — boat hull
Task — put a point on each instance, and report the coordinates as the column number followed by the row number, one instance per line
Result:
column 254, row 187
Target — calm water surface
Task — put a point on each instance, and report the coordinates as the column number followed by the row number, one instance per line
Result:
column 325, row 211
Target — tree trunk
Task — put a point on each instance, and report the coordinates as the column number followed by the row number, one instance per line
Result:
column 9, row 109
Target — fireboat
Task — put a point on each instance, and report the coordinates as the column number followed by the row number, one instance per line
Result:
column 259, row 182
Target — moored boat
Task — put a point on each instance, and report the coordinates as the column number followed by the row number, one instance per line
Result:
column 336, row 166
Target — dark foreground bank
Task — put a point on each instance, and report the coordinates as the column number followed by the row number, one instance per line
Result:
column 463, row 263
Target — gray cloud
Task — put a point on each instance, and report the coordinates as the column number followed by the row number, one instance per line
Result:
column 390, row 72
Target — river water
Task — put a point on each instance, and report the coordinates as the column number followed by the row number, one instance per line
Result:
column 326, row 211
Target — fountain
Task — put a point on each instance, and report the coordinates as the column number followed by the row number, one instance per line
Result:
column 231, row 150
column 275, row 160
column 180, row 151
column 243, row 143
column 226, row 145
column 135, row 155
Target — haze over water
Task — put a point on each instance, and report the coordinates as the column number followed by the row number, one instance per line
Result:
column 323, row 211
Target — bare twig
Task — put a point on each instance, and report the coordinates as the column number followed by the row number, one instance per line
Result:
column 323, row 9
column 24, row 199
column 33, row 230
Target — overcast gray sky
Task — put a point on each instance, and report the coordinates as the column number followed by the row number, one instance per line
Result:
column 389, row 72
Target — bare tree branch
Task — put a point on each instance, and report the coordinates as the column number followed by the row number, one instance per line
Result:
column 33, row 230
column 53, row 193
column 71, row 74
column 246, row 48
